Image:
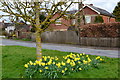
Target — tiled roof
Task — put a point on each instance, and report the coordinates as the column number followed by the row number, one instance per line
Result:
column 101, row 11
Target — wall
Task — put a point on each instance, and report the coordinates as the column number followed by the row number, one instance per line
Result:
column 64, row 23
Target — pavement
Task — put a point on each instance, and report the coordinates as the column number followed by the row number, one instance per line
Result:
column 109, row 52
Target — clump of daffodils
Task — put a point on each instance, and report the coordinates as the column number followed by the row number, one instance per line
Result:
column 51, row 67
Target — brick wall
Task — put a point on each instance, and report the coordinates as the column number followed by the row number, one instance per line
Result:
column 64, row 23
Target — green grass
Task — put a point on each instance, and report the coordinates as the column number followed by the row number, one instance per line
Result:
column 14, row 58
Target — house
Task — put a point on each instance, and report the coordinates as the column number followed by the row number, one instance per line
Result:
column 8, row 27
column 90, row 13
column 23, row 30
column 61, row 24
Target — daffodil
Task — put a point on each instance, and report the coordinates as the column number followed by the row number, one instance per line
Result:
column 86, row 55
column 77, row 59
column 45, row 58
column 37, row 62
column 48, row 56
column 46, row 67
column 43, row 64
column 89, row 60
column 40, row 70
column 63, row 71
column 98, row 57
column 80, row 54
column 31, row 63
column 80, row 69
column 34, row 63
column 49, row 62
column 26, row 65
column 65, row 68
column 58, row 65
column 68, row 60
column 101, row 59
column 85, row 62
column 63, row 63
column 53, row 62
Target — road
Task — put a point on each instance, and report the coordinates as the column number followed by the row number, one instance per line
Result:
column 63, row 47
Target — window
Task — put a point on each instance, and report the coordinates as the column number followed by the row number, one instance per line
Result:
column 73, row 21
column 58, row 22
column 87, row 19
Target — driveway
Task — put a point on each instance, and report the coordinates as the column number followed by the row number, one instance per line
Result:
column 63, row 47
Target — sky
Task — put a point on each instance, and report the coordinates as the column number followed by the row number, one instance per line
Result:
column 108, row 5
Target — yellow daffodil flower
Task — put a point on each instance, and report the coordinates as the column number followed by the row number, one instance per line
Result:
column 85, row 62
column 101, row 59
column 40, row 70
column 43, row 64
column 53, row 62
column 34, row 63
column 98, row 57
column 49, row 62
column 58, row 65
column 89, row 60
column 26, row 65
column 46, row 67
column 86, row 55
column 80, row 69
column 63, row 71
column 65, row 68
column 31, row 63
column 68, row 60
column 37, row 62
column 63, row 63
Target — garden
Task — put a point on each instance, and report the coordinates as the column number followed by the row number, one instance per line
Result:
column 20, row 62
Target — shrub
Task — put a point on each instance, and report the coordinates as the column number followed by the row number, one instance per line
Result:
column 98, row 19
column 100, row 30
column 51, row 67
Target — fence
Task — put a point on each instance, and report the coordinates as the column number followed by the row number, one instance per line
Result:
column 72, row 38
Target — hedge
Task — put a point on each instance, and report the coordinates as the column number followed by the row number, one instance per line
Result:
column 100, row 30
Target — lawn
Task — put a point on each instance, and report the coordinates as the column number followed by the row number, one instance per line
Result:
column 14, row 58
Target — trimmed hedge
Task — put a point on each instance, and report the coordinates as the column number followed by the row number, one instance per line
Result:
column 100, row 30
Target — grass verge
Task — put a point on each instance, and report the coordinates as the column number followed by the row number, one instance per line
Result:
column 14, row 58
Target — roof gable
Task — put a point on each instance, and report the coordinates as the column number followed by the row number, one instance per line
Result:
column 98, row 10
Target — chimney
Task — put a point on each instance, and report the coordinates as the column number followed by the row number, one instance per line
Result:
column 91, row 4
column 2, row 21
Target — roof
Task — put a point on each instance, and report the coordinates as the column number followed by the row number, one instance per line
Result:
column 99, row 10
column 71, row 12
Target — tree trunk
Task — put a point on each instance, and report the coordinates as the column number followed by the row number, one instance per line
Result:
column 38, row 46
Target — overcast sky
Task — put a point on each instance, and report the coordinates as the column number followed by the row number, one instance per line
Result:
column 108, row 5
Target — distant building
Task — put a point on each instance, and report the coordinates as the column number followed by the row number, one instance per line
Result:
column 90, row 13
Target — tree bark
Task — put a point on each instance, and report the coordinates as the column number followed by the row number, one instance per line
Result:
column 38, row 45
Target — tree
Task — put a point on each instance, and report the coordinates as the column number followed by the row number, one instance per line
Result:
column 116, row 12
column 30, row 12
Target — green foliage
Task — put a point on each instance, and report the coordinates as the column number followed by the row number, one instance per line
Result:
column 116, row 12
column 14, row 58
column 98, row 19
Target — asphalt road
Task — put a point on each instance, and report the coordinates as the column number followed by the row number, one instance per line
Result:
column 63, row 47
